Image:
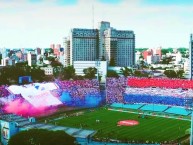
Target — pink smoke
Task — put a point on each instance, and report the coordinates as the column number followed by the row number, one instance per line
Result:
column 20, row 107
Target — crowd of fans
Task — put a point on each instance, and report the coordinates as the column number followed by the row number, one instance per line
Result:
column 179, row 93
column 125, row 90
column 80, row 88
column 3, row 91
column 148, row 98
column 159, row 82
column 148, row 90
column 115, row 87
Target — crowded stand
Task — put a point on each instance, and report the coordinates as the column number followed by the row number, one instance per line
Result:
column 41, row 96
column 178, row 93
column 3, row 91
column 79, row 92
column 115, row 88
column 159, row 82
column 148, row 90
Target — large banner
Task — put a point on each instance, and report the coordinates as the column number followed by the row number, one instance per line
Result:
column 37, row 94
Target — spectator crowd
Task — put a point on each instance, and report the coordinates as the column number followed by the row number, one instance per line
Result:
column 149, row 90
column 79, row 89
column 160, row 82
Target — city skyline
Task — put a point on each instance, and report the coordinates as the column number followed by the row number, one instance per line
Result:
column 39, row 23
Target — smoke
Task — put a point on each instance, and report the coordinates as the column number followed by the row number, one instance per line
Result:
column 87, row 101
column 93, row 100
column 23, row 108
column 66, row 98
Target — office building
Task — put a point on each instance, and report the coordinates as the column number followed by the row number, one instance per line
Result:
column 120, row 46
column 32, row 59
column 104, row 43
column 83, row 45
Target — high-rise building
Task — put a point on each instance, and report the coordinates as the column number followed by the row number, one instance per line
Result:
column 120, row 46
column 32, row 59
column 104, row 43
column 191, row 57
column 65, row 52
column 83, row 45
column 55, row 49
column 102, row 26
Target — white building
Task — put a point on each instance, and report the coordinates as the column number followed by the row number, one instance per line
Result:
column 151, row 59
column 178, row 58
column 137, row 56
column 100, row 65
column 7, row 61
column 32, row 59
column 48, row 70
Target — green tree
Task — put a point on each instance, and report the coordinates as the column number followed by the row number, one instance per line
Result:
column 166, row 60
column 111, row 73
column 41, row 137
column 170, row 73
column 37, row 74
column 126, row 71
column 152, row 68
column 139, row 73
column 51, row 58
column 180, row 73
column 112, row 61
column 90, row 72
column 166, row 50
column 21, row 64
column 142, row 64
column 68, row 72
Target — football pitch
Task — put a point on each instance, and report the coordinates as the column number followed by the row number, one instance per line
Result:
column 152, row 128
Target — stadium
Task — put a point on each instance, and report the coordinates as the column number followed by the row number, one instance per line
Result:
column 130, row 111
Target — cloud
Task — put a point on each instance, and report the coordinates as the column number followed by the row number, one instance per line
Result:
column 40, row 24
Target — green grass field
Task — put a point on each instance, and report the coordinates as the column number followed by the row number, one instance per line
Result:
column 153, row 128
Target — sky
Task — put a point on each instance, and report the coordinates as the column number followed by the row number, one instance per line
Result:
column 39, row 23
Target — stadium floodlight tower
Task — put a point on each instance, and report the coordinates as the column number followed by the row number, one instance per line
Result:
column 188, row 102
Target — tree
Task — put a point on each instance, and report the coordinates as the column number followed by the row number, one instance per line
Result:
column 68, row 72
column 78, row 77
column 166, row 60
column 152, row 68
column 138, row 73
column 51, row 58
column 142, row 64
column 126, row 71
column 90, row 72
column 112, row 61
column 37, row 74
column 111, row 73
column 170, row 73
column 180, row 73
column 41, row 136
